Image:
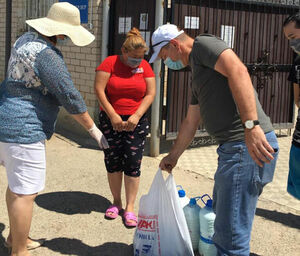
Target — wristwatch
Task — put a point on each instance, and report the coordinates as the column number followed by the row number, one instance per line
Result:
column 249, row 124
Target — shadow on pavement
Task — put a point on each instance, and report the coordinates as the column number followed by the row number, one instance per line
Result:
column 84, row 141
column 89, row 143
column 287, row 219
column 3, row 250
column 67, row 246
column 72, row 202
column 165, row 145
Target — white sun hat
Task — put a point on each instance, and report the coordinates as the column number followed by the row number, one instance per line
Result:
column 162, row 36
column 63, row 19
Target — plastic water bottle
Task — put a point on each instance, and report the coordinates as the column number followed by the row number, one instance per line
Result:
column 207, row 217
column 184, row 200
column 191, row 213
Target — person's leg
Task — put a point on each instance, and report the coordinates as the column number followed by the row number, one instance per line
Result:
column 134, row 148
column 115, row 177
column 113, row 160
column 131, row 190
column 233, row 204
column 293, row 185
column 9, row 237
column 26, row 168
column 114, row 167
column 115, row 185
column 20, row 208
column 238, row 184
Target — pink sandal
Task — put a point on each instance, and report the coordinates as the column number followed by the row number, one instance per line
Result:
column 112, row 212
column 130, row 219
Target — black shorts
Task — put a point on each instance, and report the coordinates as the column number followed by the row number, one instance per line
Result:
column 126, row 149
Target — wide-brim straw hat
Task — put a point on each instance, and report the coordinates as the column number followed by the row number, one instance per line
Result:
column 63, row 19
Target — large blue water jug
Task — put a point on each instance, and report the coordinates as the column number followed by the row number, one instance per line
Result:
column 183, row 199
column 207, row 217
column 191, row 213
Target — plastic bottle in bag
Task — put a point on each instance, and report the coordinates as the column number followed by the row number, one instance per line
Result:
column 183, row 199
column 207, row 218
column 191, row 213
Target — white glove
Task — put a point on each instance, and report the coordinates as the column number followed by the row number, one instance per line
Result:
column 99, row 137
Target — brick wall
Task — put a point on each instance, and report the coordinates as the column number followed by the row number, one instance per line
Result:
column 15, row 27
column 2, row 38
column 82, row 61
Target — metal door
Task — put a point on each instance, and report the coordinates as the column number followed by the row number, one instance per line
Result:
column 254, row 30
column 126, row 14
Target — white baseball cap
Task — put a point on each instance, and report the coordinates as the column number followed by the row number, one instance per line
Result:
column 162, row 36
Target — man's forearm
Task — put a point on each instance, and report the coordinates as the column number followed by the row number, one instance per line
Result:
column 185, row 136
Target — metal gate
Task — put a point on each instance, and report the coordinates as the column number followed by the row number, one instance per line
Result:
column 254, row 30
column 126, row 14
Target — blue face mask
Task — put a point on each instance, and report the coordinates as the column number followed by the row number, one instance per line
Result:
column 133, row 62
column 175, row 65
column 62, row 42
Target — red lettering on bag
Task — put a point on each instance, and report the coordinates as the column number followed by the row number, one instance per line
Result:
column 146, row 225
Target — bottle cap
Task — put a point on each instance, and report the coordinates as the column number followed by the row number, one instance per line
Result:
column 209, row 203
column 193, row 201
column 181, row 193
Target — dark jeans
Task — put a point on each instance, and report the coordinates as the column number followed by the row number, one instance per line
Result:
column 293, row 186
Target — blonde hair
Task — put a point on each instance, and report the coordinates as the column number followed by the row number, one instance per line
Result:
column 134, row 40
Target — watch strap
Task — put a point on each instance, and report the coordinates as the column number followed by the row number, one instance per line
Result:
column 255, row 122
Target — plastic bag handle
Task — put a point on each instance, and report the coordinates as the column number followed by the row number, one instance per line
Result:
column 203, row 197
column 179, row 186
column 197, row 198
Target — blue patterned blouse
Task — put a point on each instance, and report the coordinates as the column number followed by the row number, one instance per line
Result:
column 37, row 83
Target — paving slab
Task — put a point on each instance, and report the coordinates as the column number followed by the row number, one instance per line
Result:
column 203, row 160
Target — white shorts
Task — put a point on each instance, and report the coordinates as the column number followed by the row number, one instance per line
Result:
column 25, row 166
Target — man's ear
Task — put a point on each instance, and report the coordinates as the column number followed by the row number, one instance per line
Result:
column 175, row 43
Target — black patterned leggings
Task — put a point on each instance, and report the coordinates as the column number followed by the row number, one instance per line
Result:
column 126, row 149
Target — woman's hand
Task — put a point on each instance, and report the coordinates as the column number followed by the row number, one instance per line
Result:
column 117, row 123
column 131, row 123
column 99, row 137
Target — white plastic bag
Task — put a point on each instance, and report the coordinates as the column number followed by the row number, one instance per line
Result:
column 162, row 228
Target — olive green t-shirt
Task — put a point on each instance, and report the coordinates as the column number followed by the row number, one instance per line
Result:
column 210, row 90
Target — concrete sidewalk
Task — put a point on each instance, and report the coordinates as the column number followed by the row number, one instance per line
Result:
column 69, row 213
column 203, row 161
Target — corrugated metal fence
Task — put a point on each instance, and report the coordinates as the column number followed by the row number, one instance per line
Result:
column 254, row 30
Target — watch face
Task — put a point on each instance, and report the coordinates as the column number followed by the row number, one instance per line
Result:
column 249, row 124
